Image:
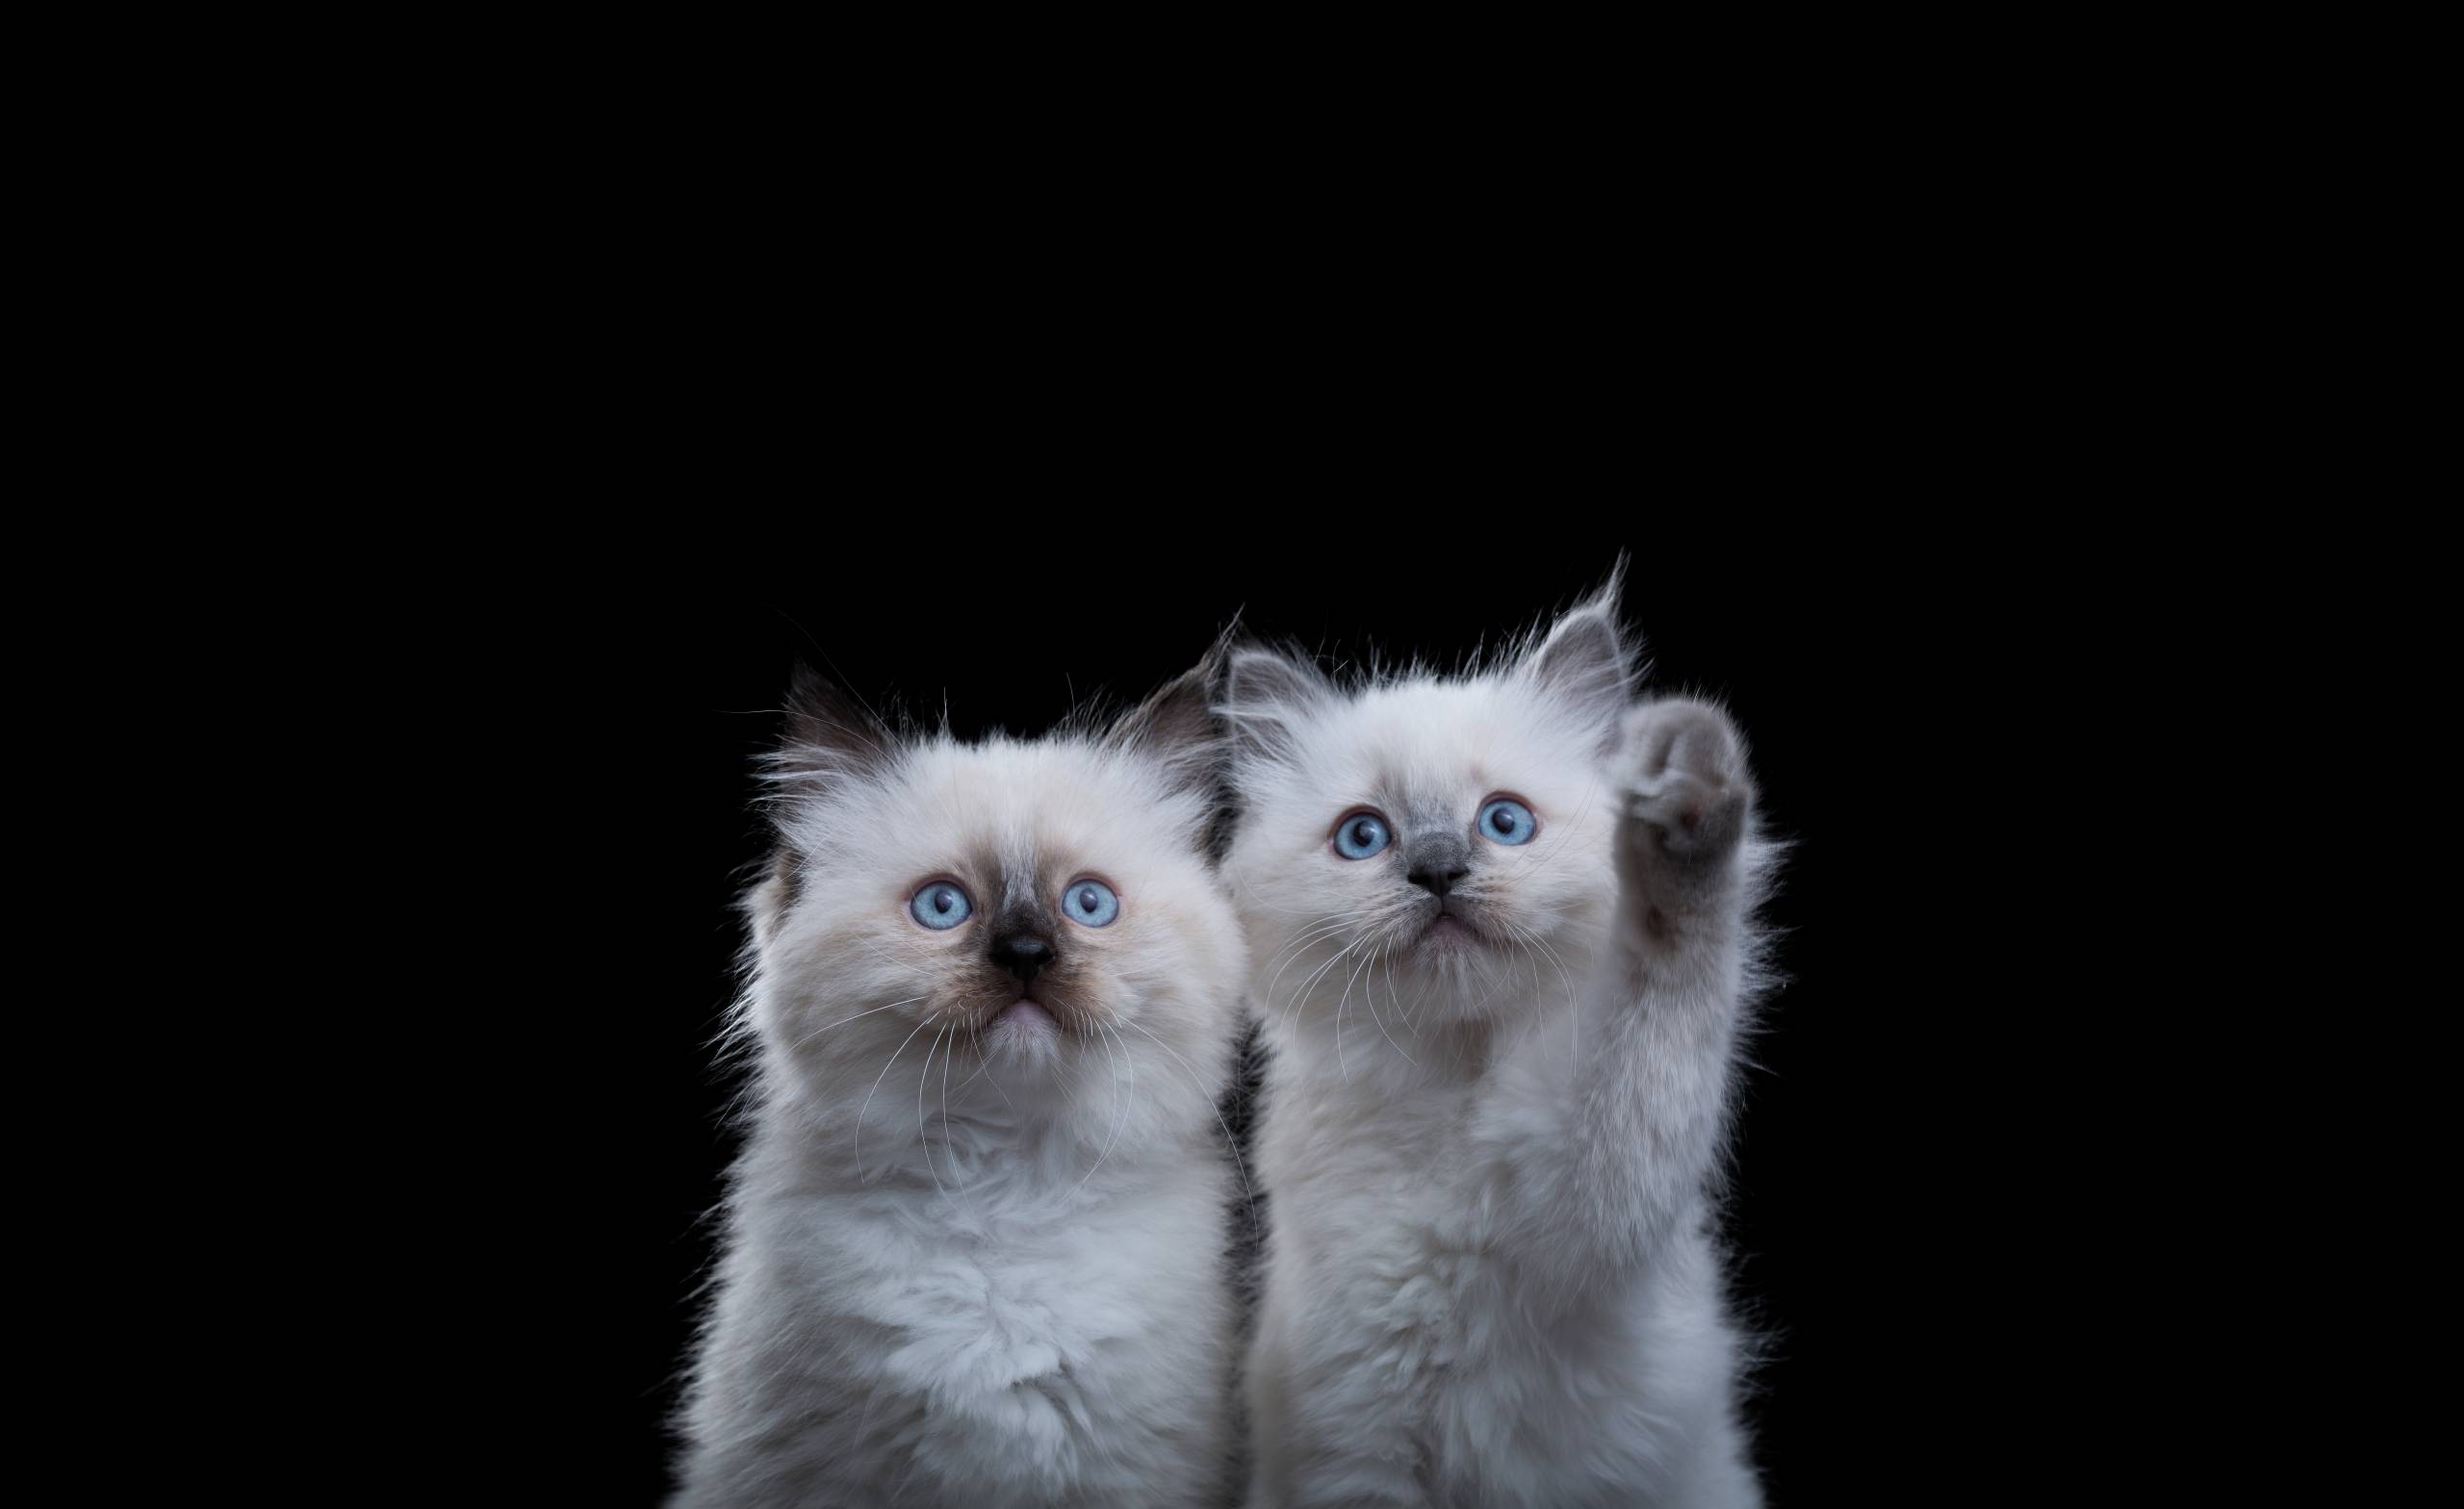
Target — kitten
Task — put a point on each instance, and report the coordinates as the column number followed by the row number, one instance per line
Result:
column 1504, row 939
column 974, row 1245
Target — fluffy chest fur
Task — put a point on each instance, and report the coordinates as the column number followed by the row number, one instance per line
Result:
column 1401, row 1312
column 1005, row 1294
column 1020, row 1342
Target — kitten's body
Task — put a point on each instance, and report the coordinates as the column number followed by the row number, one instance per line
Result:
column 1490, row 1277
column 963, row 1269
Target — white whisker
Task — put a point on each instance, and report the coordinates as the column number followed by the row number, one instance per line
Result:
column 921, row 1136
column 1230, row 1141
column 1370, row 998
column 868, row 1100
column 1120, row 1118
column 844, row 1021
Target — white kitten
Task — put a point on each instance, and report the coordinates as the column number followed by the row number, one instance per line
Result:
column 1503, row 932
column 974, row 1251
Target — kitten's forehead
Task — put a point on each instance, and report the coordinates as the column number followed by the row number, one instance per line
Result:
column 1017, row 796
column 1002, row 807
column 1430, row 736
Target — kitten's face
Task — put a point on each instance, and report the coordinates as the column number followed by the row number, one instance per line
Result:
column 1020, row 908
column 1425, row 850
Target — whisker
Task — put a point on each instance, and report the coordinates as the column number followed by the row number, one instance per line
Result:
column 844, row 1021
column 868, row 1099
column 1121, row 1117
column 1413, row 1020
column 1309, row 983
column 1230, row 1141
column 948, row 1142
column 920, row 1135
column 1370, row 996
column 1243, row 887
column 1291, row 954
column 1338, row 1018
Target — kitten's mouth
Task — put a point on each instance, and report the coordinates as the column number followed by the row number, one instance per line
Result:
column 1028, row 1022
column 1025, row 1031
column 1450, row 931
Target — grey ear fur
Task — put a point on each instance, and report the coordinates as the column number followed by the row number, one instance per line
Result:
column 1584, row 662
column 1265, row 692
column 828, row 736
column 829, row 731
column 1176, row 727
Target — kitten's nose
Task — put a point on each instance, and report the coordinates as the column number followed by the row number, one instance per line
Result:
column 1021, row 954
column 1435, row 863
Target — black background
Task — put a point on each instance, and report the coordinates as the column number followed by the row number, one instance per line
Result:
column 643, row 834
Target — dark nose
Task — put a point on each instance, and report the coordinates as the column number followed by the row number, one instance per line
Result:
column 1022, row 955
column 1435, row 862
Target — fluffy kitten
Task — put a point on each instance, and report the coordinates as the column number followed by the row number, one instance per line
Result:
column 1503, row 932
column 974, row 1243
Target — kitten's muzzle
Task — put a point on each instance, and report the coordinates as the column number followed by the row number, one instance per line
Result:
column 1435, row 862
column 1449, row 917
column 1022, row 946
column 1023, row 955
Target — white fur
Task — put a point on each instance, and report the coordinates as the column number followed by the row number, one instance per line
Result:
column 954, row 1275
column 1490, row 1275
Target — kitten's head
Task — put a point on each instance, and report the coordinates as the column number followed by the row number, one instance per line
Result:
column 1423, row 848
column 1042, row 910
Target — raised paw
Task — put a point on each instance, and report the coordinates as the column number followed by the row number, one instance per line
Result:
column 1688, row 798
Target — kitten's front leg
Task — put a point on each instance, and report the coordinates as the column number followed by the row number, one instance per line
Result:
column 1648, row 1099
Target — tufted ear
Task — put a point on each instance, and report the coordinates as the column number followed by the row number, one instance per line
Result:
column 1584, row 664
column 1266, row 695
column 1175, row 728
column 829, row 732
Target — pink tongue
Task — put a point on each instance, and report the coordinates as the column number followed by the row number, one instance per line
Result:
column 1026, row 1013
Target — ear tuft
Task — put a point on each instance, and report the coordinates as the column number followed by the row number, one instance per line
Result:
column 830, row 732
column 1266, row 695
column 1176, row 728
column 1584, row 664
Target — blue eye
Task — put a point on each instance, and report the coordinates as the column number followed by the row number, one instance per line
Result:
column 1506, row 821
column 1091, row 903
column 1361, row 834
column 941, row 905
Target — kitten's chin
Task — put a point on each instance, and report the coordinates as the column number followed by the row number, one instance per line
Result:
column 1023, row 1031
column 1026, row 1017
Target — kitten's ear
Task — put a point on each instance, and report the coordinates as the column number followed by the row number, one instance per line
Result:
column 1266, row 695
column 1175, row 728
column 1584, row 664
column 829, row 732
